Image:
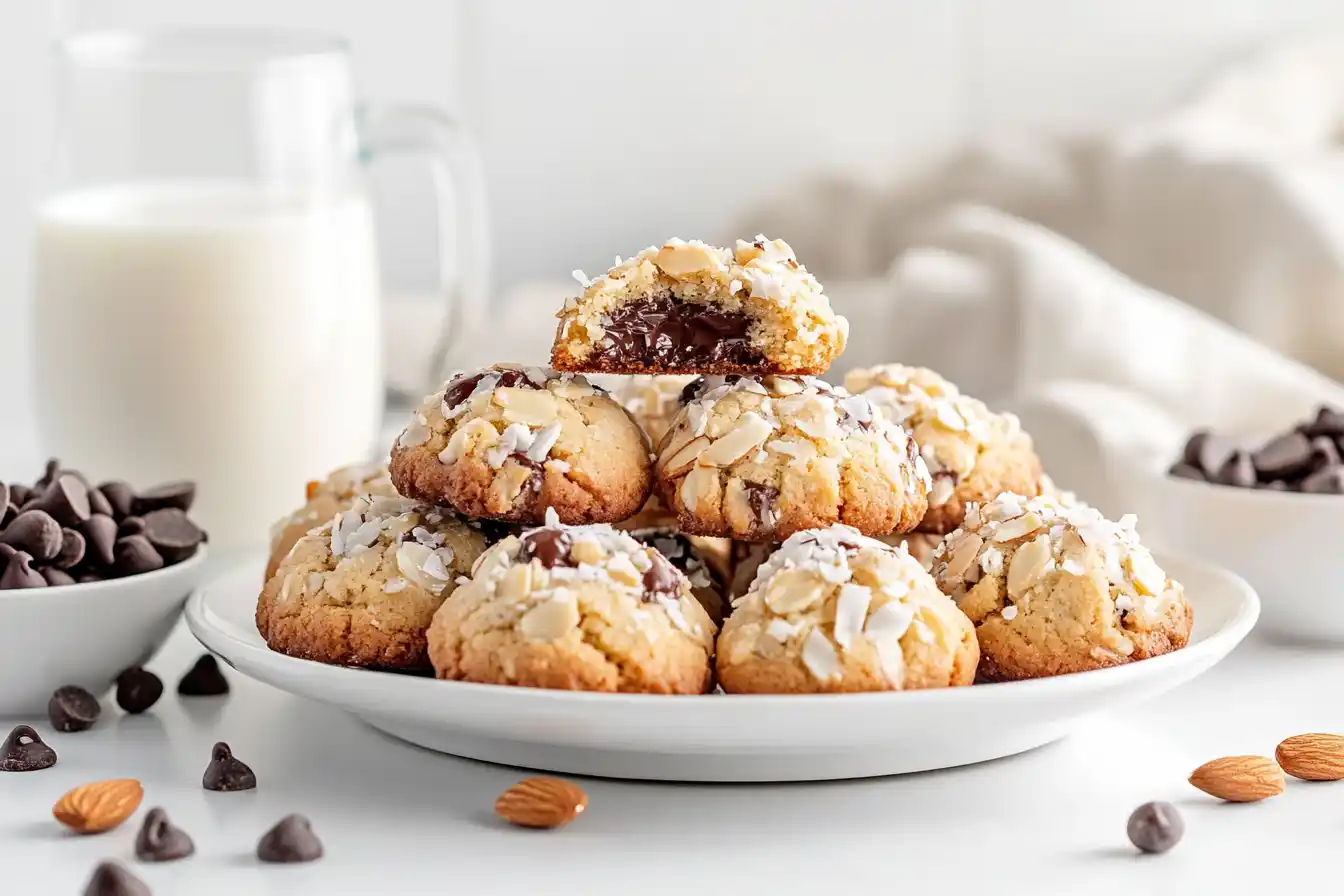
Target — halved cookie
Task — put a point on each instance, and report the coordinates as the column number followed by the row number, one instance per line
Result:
column 693, row 308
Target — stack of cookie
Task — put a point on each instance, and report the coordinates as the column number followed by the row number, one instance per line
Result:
column 535, row 529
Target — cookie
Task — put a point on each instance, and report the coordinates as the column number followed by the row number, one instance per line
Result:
column 697, row 564
column 833, row 611
column 693, row 308
column 508, row 442
column 651, row 400
column 758, row 459
column 361, row 590
column 1055, row 588
column 973, row 454
column 325, row 499
column 919, row 545
column 583, row 608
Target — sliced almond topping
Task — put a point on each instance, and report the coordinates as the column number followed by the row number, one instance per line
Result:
column 851, row 609
column 550, row 619
column 819, row 656
column 681, row 259
column 964, row 554
column 587, row 551
column 1017, row 527
column 751, row 431
column 701, row 482
column 532, row 407
column 516, row 584
column 793, row 592
column 677, row 463
column 1031, row 562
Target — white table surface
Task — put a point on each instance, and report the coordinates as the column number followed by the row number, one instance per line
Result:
column 397, row 819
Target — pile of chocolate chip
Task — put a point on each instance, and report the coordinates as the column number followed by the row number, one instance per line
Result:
column 63, row 531
column 1307, row 458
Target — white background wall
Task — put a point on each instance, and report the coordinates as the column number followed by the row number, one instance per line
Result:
column 608, row 124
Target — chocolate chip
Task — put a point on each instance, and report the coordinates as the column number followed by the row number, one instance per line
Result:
column 761, row 500
column 100, row 535
column 24, row 751
column 225, row 773
column 661, row 579
column 134, row 555
column 180, row 495
column 67, row 499
column 1238, row 470
column 1155, row 827
column 160, row 840
column 1183, row 470
column 72, row 708
column 72, row 549
column 460, row 387
column 1328, row 422
column 1324, row 452
column 663, row 334
column 291, row 840
column 54, row 576
column 172, row 534
column 19, row 494
column 1325, row 481
column 120, row 495
column 1283, row 457
column 110, row 879
column 550, row 547
column 49, row 474
column 138, row 689
column 35, row 533
column 98, row 503
column 204, row 679
column 702, row 384
column 7, row 514
column 1205, row 452
column 19, row 573
column 132, row 525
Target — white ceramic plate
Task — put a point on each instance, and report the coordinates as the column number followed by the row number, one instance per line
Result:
column 726, row 738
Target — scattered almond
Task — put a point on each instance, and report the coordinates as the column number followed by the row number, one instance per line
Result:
column 1312, row 757
column 1239, row 779
column 541, row 803
column 99, row 806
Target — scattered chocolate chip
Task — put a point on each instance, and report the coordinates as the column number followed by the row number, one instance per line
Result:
column 1328, row 422
column 72, row 708
column 1283, row 457
column 19, row 494
column 120, row 495
column 460, row 387
column 24, row 751
column 7, row 514
column 1155, row 827
column 1238, row 470
column 664, row 334
column 1327, row 481
column 550, row 547
column 225, row 773
column 291, row 840
column 100, row 535
column 55, row 576
column 160, row 840
column 72, row 549
column 35, row 533
column 131, row 525
column 67, row 499
column 1183, row 470
column 761, row 500
column 138, row 689
column 1205, row 451
column 98, row 503
column 19, row 573
column 1324, row 453
column 205, row 679
column 110, row 879
column 134, row 555
column 172, row 533
column 49, row 473
column 180, row 495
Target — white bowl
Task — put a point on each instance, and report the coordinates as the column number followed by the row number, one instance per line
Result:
column 86, row 634
column 1288, row 545
column 725, row 738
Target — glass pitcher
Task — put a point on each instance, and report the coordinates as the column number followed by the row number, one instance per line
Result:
column 207, row 297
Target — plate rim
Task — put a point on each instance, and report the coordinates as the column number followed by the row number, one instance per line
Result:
column 1208, row 651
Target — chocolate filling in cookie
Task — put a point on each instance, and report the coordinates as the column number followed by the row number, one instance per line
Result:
column 664, row 333
column 461, row 387
column 551, row 548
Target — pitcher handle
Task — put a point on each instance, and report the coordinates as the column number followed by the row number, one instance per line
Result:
column 459, row 187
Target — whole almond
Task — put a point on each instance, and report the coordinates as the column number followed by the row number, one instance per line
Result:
column 541, row 803
column 1239, row 779
column 1312, row 757
column 99, row 806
